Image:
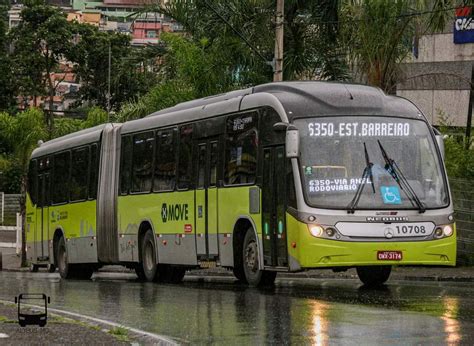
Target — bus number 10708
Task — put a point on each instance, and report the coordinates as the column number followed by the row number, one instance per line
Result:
column 409, row 229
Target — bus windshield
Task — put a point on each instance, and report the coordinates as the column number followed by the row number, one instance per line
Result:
column 338, row 154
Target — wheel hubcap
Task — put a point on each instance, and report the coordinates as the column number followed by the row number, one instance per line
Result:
column 251, row 259
column 62, row 259
column 149, row 257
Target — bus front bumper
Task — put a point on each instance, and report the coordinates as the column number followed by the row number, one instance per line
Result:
column 308, row 252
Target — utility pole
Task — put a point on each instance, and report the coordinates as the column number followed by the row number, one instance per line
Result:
column 278, row 60
column 108, row 82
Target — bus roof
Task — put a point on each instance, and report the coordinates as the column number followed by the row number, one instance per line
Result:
column 298, row 99
column 71, row 140
column 317, row 98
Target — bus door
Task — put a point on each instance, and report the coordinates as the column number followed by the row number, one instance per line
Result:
column 274, row 207
column 206, row 199
column 42, row 218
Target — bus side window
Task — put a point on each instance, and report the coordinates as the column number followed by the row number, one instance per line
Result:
column 80, row 167
column 61, row 173
column 94, row 171
column 125, row 164
column 33, row 181
column 213, row 164
column 165, row 160
column 201, row 170
column 142, row 171
column 241, row 149
column 185, row 161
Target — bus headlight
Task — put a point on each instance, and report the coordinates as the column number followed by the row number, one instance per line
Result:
column 330, row 231
column 438, row 233
column 315, row 230
column 443, row 231
column 448, row 230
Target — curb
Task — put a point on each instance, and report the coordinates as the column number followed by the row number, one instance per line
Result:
column 399, row 277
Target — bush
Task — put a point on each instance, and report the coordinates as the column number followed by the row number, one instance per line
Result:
column 459, row 151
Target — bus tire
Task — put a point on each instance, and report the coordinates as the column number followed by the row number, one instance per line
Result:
column 239, row 273
column 140, row 273
column 148, row 256
column 238, row 268
column 255, row 277
column 373, row 276
column 63, row 264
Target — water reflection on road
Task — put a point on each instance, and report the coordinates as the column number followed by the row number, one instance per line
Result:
column 298, row 311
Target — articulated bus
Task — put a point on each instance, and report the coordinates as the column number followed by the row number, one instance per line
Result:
column 281, row 177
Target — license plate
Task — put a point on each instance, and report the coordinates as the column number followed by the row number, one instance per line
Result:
column 389, row 255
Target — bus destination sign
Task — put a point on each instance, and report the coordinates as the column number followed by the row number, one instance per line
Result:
column 359, row 129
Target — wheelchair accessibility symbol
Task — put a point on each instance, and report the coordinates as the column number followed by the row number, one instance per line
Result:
column 390, row 194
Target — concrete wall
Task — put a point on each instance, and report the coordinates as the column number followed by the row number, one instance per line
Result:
column 439, row 80
column 463, row 193
column 440, row 47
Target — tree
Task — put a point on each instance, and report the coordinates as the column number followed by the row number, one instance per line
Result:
column 129, row 75
column 41, row 40
column 7, row 87
column 23, row 132
column 311, row 36
column 379, row 34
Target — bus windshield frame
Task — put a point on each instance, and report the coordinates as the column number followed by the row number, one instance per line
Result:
column 398, row 132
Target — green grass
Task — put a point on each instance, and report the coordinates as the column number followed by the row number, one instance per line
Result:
column 119, row 333
column 4, row 319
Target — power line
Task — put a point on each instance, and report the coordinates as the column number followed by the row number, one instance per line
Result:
column 238, row 33
column 404, row 15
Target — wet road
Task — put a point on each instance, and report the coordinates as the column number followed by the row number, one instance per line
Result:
column 300, row 311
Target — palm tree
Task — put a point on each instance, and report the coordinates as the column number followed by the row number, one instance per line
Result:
column 379, row 34
column 23, row 132
column 243, row 31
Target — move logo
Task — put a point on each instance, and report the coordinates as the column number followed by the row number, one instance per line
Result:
column 174, row 212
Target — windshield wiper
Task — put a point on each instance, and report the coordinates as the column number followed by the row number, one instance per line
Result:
column 366, row 174
column 397, row 174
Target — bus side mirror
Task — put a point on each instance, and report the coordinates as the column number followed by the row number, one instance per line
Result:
column 16, row 300
column 439, row 141
column 292, row 142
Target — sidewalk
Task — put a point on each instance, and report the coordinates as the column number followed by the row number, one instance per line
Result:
column 11, row 262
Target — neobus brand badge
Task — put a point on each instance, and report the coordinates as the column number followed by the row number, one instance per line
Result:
column 174, row 212
column 386, row 218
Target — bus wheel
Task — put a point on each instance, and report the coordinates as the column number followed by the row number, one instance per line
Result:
column 373, row 276
column 238, row 268
column 148, row 253
column 239, row 273
column 140, row 273
column 254, row 276
column 63, row 265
